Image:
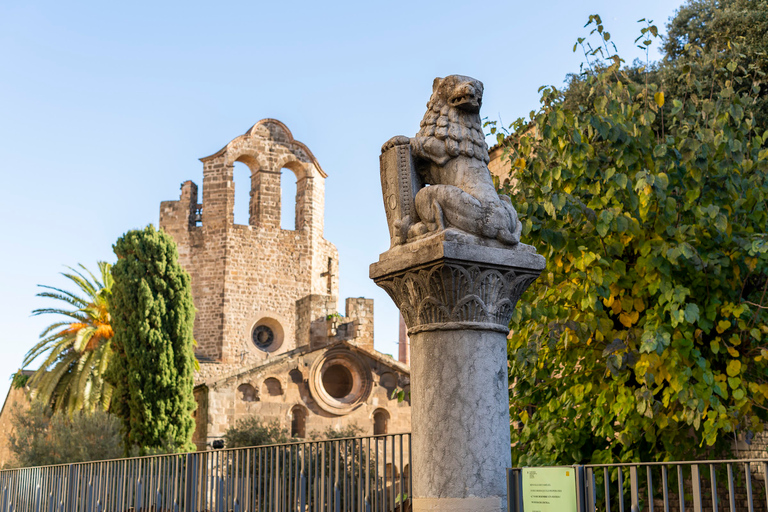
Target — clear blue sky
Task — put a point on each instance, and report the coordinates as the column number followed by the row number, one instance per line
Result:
column 105, row 108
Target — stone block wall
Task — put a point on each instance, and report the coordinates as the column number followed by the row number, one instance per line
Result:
column 255, row 392
column 242, row 275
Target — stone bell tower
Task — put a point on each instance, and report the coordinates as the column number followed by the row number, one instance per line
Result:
column 247, row 279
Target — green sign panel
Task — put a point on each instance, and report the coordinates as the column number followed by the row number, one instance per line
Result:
column 549, row 490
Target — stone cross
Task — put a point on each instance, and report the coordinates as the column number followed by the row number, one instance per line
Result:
column 455, row 270
column 329, row 274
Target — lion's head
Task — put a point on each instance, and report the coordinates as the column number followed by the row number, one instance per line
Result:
column 453, row 116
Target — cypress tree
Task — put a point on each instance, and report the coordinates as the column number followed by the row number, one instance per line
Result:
column 153, row 315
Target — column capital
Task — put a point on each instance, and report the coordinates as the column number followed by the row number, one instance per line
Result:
column 447, row 282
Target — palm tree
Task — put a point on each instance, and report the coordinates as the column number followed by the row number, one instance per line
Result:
column 78, row 349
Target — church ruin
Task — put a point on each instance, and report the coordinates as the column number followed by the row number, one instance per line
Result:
column 269, row 339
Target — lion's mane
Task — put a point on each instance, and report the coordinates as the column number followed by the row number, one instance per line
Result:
column 461, row 131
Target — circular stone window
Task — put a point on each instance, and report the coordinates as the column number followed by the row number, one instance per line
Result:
column 339, row 381
column 267, row 334
column 263, row 337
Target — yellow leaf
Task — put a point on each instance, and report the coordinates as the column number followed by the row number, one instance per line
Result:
column 520, row 163
column 609, row 301
column 616, row 307
column 625, row 319
column 722, row 325
column 659, row 97
column 733, row 352
column 639, row 305
column 733, row 368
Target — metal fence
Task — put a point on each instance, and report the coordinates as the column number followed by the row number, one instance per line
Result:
column 698, row 486
column 370, row 474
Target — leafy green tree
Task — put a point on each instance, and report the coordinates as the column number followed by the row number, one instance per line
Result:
column 644, row 337
column 77, row 351
column 153, row 315
column 40, row 437
column 710, row 28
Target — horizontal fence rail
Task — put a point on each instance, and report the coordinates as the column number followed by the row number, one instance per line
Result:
column 697, row 486
column 367, row 474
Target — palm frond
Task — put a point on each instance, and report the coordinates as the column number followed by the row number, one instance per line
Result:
column 76, row 352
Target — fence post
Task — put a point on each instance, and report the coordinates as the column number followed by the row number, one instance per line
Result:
column 581, row 488
column 511, row 495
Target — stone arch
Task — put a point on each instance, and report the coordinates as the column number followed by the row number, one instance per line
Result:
column 242, row 182
column 388, row 380
column 296, row 376
column 380, row 422
column 266, row 148
column 272, row 387
column 299, row 421
column 247, row 393
column 295, row 189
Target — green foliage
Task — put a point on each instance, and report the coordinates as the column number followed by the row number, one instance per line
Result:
column 250, row 431
column 702, row 35
column 643, row 338
column 352, row 430
column 77, row 350
column 19, row 380
column 153, row 315
column 41, row 438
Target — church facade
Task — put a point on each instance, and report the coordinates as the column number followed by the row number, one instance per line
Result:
column 270, row 340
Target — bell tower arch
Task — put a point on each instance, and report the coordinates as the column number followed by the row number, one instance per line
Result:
column 242, row 273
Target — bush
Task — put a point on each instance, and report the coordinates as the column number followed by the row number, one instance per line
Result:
column 41, row 438
column 252, row 432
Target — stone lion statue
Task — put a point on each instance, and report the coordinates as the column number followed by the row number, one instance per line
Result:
column 450, row 155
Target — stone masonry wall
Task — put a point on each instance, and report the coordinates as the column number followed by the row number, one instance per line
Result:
column 227, row 402
column 242, row 275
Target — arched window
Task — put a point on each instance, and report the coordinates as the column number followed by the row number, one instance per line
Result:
column 247, row 393
column 299, row 422
column 296, row 376
column 288, row 201
column 241, row 176
column 380, row 422
column 272, row 387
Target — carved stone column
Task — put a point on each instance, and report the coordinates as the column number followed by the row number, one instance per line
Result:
column 456, row 270
column 457, row 299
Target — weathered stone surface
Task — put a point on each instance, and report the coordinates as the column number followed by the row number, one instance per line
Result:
column 455, row 270
column 292, row 381
column 460, row 413
column 441, row 284
column 450, row 154
column 267, row 299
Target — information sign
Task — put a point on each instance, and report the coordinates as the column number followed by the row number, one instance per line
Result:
column 549, row 490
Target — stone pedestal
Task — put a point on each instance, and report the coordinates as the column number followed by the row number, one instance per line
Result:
column 457, row 296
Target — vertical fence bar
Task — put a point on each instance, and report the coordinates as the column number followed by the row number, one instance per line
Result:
column 731, row 497
column 591, row 490
column 765, row 484
column 634, row 490
column 607, row 485
column 748, row 483
column 621, row 489
column 713, row 484
column 680, row 487
column 649, row 476
column 696, row 488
